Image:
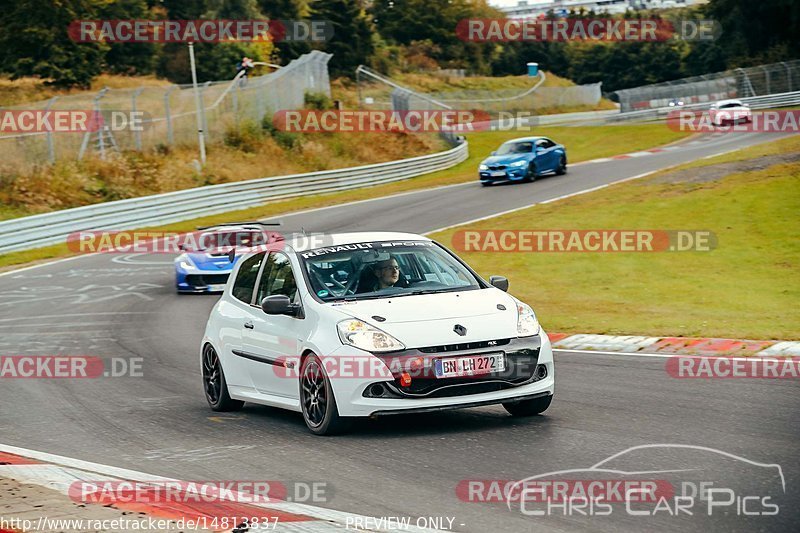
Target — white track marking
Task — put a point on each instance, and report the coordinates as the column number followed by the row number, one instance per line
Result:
column 557, row 198
column 53, row 262
column 64, row 469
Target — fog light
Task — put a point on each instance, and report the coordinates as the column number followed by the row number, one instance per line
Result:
column 405, row 379
column 376, row 390
column 541, row 372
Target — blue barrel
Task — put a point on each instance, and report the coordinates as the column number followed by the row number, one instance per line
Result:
column 533, row 69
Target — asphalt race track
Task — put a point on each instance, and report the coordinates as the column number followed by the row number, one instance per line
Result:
column 125, row 306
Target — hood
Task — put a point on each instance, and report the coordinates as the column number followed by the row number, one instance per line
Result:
column 429, row 319
column 506, row 159
column 213, row 262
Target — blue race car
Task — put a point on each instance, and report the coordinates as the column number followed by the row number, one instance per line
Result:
column 206, row 267
column 523, row 159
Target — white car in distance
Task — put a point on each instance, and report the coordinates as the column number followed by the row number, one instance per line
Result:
column 369, row 325
column 731, row 111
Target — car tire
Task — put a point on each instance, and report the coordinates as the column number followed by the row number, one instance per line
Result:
column 214, row 384
column 531, row 174
column 529, row 407
column 562, row 166
column 317, row 400
column 486, row 183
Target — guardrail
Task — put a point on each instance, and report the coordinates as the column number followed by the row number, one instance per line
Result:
column 769, row 101
column 51, row 228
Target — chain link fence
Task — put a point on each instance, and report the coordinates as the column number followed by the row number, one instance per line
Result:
column 376, row 91
column 169, row 114
column 775, row 78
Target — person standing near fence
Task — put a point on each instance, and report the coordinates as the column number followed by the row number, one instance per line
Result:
column 244, row 65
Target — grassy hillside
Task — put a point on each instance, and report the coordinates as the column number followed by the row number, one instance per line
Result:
column 747, row 287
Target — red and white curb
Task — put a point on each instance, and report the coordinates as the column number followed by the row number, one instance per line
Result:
column 635, row 344
column 59, row 473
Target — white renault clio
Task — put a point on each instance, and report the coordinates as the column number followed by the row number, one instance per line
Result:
column 371, row 324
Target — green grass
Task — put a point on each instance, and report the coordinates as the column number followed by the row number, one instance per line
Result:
column 748, row 287
column 583, row 143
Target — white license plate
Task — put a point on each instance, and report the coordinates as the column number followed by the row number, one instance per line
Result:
column 216, row 288
column 470, row 365
column 497, row 174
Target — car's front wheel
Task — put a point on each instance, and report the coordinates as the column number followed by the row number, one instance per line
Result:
column 562, row 166
column 529, row 407
column 216, row 388
column 531, row 174
column 318, row 401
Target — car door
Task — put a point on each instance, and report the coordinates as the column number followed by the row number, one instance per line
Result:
column 548, row 149
column 234, row 312
column 273, row 341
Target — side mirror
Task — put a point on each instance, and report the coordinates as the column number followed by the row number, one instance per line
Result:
column 500, row 282
column 494, row 152
column 278, row 304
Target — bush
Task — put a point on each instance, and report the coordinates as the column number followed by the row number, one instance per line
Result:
column 245, row 137
column 284, row 139
column 318, row 101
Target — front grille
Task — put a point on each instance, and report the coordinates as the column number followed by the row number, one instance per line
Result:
column 497, row 167
column 199, row 280
column 520, row 368
column 464, row 346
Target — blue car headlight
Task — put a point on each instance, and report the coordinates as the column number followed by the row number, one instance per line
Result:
column 483, row 167
column 186, row 264
column 518, row 164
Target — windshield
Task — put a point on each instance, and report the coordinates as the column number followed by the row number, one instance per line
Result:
column 525, row 147
column 730, row 104
column 379, row 269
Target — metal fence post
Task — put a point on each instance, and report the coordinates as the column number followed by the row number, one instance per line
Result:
column 51, row 147
column 137, row 134
column 168, row 115
column 203, row 109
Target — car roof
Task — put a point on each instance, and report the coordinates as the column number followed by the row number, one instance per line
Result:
column 302, row 243
column 526, row 139
column 243, row 227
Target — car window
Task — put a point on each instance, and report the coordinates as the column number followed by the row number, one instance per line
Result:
column 246, row 278
column 545, row 143
column 378, row 269
column 278, row 278
column 515, row 148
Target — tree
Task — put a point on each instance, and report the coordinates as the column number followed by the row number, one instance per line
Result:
column 34, row 41
column 286, row 10
column 128, row 58
column 351, row 44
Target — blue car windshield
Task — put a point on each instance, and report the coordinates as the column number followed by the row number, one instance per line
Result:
column 515, row 148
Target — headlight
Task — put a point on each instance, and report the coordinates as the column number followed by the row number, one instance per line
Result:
column 361, row 335
column 186, row 263
column 527, row 325
column 483, row 167
column 520, row 163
